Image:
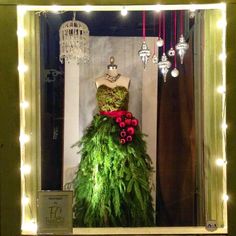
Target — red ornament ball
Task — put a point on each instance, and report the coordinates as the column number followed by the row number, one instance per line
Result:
column 118, row 119
column 122, row 141
column 129, row 115
column 134, row 122
column 130, row 131
column 129, row 138
column 122, row 133
column 122, row 124
column 128, row 121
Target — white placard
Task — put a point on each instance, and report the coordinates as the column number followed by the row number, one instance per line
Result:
column 54, row 211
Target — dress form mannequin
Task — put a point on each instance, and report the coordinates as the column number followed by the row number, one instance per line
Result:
column 112, row 78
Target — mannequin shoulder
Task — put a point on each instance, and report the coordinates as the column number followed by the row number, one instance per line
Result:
column 123, row 81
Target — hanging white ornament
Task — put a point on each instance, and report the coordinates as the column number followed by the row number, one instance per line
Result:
column 164, row 66
column 182, row 47
column 171, row 52
column 74, row 42
column 175, row 72
column 144, row 53
column 154, row 59
column 160, row 42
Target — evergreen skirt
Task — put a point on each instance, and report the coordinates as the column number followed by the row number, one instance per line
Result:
column 112, row 183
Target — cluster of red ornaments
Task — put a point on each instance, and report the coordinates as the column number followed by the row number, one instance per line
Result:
column 126, row 123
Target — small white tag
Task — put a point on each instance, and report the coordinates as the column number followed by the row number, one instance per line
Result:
column 211, row 225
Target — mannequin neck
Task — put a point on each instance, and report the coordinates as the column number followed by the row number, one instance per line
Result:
column 112, row 72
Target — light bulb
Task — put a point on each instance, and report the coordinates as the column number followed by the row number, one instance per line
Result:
column 220, row 162
column 221, row 24
column 25, row 201
column 24, row 138
column 221, row 89
column 29, row 226
column 22, row 68
column 55, row 8
column 225, row 197
column 21, row 33
column 24, row 104
column 222, row 56
column 88, row 8
column 192, row 8
column 124, row 11
column 25, row 169
column 158, row 8
column 224, row 126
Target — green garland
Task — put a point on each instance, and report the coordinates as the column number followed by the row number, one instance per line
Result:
column 111, row 187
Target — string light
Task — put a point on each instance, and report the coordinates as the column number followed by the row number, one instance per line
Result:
column 124, row 11
column 25, row 200
column 222, row 56
column 221, row 23
column 22, row 68
column 21, row 32
column 25, row 169
column 24, row 104
column 192, row 8
column 225, row 197
column 29, row 226
column 24, row 138
column 158, row 8
column 221, row 89
column 224, row 126
column 55, row 8
column 88, row 8
column 220, row 162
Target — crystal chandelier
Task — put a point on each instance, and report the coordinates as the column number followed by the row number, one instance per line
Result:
column 74, row 42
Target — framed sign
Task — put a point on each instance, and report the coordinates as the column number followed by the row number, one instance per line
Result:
column 54, row 210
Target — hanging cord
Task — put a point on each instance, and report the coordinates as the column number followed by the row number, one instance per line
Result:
column 74, row 15
column 171, row 30
column 159, row 25
column 181, row 23
column 154, row 32
column 144, row 26
column 164, row 32
column 175, row 32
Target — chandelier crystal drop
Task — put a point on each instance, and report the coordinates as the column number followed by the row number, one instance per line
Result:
column 164, row 66
column 144, row 53
column 74, row 42
column 182, row 47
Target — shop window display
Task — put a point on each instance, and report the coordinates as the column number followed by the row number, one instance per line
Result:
column 128, row 130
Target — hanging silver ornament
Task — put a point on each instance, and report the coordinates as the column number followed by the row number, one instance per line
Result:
column 144, row 53
column 181, row 47
column 164, row 66
column 154, row 59
column 171, row 52
column 160, row 42
column 175, row 72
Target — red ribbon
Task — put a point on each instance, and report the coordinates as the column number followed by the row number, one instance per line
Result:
column 117, row 113
column 144, row 26
column 164, row 32
column 175, row 34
